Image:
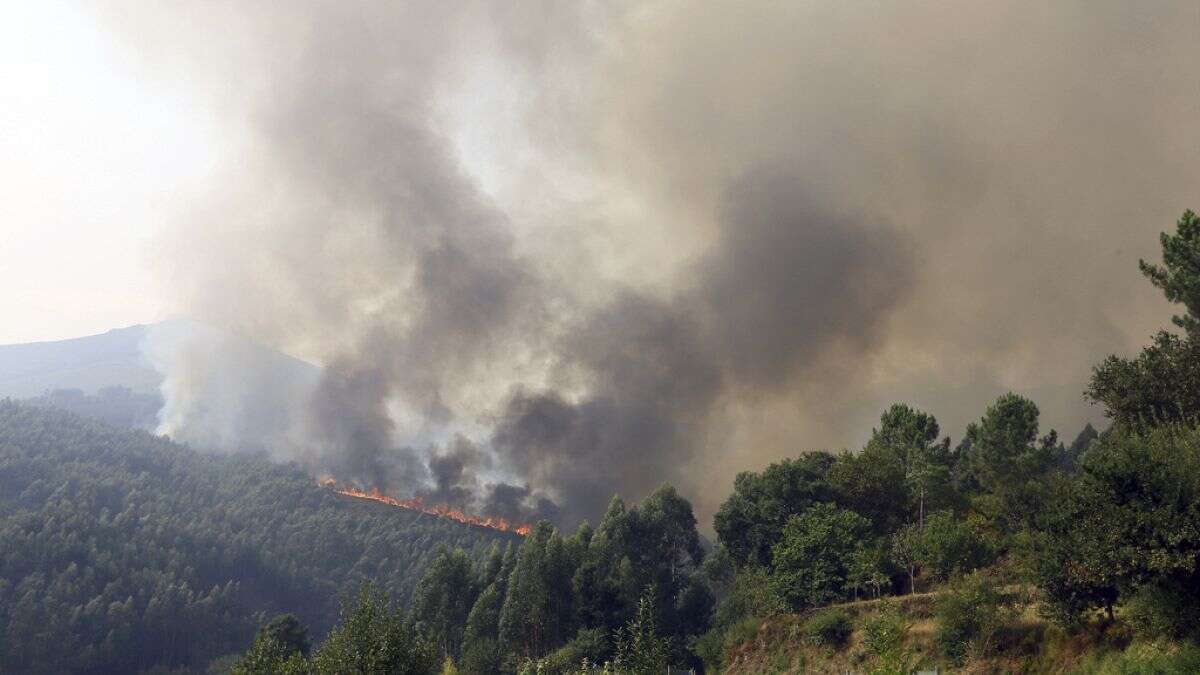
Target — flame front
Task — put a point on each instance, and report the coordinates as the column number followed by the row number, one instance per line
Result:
column 491, row 522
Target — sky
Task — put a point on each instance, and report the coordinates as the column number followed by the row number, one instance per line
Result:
column 91, row 158
column 547, row 251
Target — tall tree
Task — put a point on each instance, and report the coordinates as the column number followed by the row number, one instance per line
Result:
column 1162, row 384
column 751, row 520
column 374, row 637
column 1179, row 274
column 811, row 563
column 444, row 600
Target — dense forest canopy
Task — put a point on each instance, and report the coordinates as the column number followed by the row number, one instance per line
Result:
column 123, row 550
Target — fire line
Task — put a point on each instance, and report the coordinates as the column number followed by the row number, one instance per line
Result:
column 415, row 504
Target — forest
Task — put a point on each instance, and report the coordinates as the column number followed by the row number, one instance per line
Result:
column 124, row 552
column 1007, row 549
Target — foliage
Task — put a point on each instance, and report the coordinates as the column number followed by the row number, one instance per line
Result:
column 1161, row 385
column 1170, row 613
column 884, row 635
column 869, row 571
column 373, row 637
column 751, row 520
column 1005, row 447
column 287, row 631
column 949, row 546
column 1150, row 659
column 123, row 551
column 268, row 656
column 812, row 561
column 1131, row 519
column 970, row 615
column 830, row 628
column 640, row 649
column 1179, row 275
column 750, row 595
column 482, row 656
column 445, row 598
column 590, row 644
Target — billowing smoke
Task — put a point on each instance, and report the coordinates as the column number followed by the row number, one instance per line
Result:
column 551, row 251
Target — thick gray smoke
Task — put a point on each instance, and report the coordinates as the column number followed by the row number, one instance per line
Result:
column 550, row 252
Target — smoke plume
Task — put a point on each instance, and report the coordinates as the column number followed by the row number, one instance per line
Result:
column 552, row 251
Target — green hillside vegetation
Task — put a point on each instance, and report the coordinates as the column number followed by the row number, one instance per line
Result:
column 123, row 551
column 1009, row 551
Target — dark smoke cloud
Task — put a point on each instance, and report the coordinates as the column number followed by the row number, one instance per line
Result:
column 617, row 244
column 786, row 281
column 453, row 470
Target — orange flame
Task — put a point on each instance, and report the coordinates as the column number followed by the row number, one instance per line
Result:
column 415, row 504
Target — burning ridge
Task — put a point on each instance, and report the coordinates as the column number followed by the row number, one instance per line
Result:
column 443, row 511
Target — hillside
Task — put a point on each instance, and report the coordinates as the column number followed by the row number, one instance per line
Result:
column 88, row 363
column 125, row 551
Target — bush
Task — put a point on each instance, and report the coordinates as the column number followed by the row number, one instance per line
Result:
column 710, row 649
column 883, row 637
column 1155, row 612
column 1151, row 659
column 750, row 595
column 589, row 643
column 970, row 615
column 831, row 628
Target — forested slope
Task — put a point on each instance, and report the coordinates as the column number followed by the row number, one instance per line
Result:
column 123, row 550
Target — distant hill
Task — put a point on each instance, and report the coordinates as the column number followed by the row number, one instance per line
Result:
column 124, row 551
column 91, row 363
column 117, row 377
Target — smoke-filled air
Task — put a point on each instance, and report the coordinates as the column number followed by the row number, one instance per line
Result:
column 544, row 252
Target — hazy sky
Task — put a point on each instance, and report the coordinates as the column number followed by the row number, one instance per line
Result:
column 611, row 243
column 91, row 159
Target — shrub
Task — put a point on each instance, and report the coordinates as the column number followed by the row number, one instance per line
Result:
column 1151, row 659
column 970, row 615
column 883, row 636
column 710, row 649
column 831, row 628
column 1155, row 612
column 589, row 644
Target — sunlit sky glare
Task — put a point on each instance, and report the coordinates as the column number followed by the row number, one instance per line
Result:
column 90, row 156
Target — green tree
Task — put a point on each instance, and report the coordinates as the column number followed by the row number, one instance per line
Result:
column 526, row 612
column 444, row 600
column 949, row 547
column 873, row 484
column 373, row 637
column 1179, row 274
column 751, row 520
column 287, row 631
column 1130, row 520
column 1008, row 461
column 268, row 656
column 812, row 561
column 1004, row 443
column 1162, row 384
column 970, row 616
